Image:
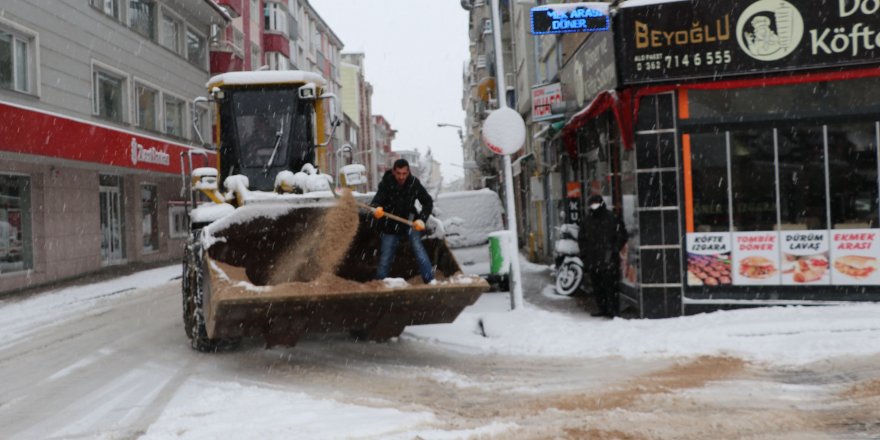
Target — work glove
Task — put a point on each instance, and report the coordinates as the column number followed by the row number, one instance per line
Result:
column 379, row 212
column 419, row 225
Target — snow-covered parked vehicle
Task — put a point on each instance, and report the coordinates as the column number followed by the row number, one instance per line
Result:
column 277, row 252
column 468, row 217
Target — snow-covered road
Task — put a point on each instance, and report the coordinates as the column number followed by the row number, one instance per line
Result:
column 111, row 361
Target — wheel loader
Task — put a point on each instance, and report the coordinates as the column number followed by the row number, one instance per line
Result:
column 274, row 250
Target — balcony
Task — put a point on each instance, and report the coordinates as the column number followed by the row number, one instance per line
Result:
column 234, row 7
column 276, row 43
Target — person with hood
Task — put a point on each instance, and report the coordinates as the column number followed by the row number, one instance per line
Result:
column 601, row 238
column 397, row 194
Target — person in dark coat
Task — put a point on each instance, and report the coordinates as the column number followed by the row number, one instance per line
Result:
column 397, row 194
column 601, row 238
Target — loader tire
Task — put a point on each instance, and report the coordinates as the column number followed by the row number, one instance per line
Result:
column 193, row 312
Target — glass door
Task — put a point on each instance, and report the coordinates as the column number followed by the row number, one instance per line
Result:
column 111, row 225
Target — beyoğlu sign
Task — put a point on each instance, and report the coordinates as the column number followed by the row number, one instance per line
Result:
column 570, row 17
column 715, row 38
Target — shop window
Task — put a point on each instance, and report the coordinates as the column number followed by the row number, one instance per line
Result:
column 709, row 174
column 147, row 107
column 649, row 190
column 178, row 222
column 150, row 218
column 109, row 94
column 204, row 123
column 142, row 17
column 835, row 97
column 196, row 49
column 647, row 156
column 16, row 246
column 753, row 179
column 646, row 120
column 17, row 64
column 170, row 32
column 651, row 228
column 175, row 114
column 852, row 161
column 802, row 178
column 109, row 7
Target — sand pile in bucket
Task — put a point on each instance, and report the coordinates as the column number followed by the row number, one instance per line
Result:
column 320, row 252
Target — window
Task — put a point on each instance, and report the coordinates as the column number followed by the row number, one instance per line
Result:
column 204, row 124
column 255, row 57
column 16, row 61
column 108, row 95
column 276, row 18
column 147, row 107
column 277, row 61
column 255, row 10
column 16, row 247
column 141, row 17
column 178, row 222
column 753, row 179
column 195, row 48
column 150, row 218
column 175, row 113
column 170, row 35
column 109, row 7
column 852, row 162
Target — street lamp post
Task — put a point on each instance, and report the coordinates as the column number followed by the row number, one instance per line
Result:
column 460, row 134
column 515, row 275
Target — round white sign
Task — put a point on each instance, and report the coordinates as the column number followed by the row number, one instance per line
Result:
column 769, row 30
column 504, row 131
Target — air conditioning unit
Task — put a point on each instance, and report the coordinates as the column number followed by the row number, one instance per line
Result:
column 479, row 3
column 481, row 61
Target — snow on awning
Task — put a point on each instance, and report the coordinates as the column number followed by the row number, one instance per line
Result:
column 619, row 103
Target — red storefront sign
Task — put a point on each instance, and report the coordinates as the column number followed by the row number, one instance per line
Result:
column 29, row 131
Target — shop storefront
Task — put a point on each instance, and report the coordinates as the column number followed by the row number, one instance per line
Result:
column 76, row 196
column 756, row 127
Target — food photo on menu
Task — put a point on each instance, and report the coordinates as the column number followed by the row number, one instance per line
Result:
column 708, row 270
column 855, row 266
column 805, row 268
column 757, row 267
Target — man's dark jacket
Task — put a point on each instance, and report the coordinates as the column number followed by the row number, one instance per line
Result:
column 400, row 200
column 601, row 237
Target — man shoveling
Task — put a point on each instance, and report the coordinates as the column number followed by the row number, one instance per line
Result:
column 397, row 194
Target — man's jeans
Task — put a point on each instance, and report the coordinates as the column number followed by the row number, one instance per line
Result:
column 389, row 247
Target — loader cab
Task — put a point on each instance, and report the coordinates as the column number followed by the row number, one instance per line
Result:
column 265, row 130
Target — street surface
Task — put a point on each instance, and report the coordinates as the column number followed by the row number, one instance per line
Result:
column 122, row 368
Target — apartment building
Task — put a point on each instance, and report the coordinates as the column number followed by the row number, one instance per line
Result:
column 97, row 104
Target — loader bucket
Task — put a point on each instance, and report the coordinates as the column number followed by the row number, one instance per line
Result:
column 241, row 302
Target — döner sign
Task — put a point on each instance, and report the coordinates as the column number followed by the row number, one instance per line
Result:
column 570, row 17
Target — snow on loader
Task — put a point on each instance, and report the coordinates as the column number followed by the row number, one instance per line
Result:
column 276, row 253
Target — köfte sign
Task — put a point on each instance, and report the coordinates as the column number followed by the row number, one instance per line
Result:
column 681, row 40
column 570, row 17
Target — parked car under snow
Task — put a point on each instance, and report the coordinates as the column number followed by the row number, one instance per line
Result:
column 467, row 217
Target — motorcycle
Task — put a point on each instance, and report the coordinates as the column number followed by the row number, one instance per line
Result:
column 569, row 268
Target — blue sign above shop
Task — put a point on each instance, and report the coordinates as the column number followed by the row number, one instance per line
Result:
column 570, row 17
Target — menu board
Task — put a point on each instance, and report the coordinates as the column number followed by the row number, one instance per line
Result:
column 843, row 257
column 755, row 258
column 804, row 258
column 708, row 259
column 854, row 256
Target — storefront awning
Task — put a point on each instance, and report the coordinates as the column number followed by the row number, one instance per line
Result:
column 619, row 103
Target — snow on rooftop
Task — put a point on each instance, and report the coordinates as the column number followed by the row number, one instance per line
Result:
column 266, row 76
